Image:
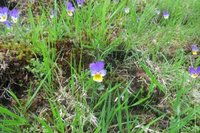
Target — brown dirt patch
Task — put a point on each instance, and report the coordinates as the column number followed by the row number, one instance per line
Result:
column 13, row 75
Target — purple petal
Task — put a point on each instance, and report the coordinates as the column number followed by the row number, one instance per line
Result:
column 1, row 10
column 80, row 2
column 69, row 4
column 92, row 66
column 8, row 24
column 14, row 13
column 192, row 70
column 198, row 70
column 4, row 9
column 166, row 14
column 103, row 72
column 93, row 73
column 194, row 47
column 97, row 66
column 70, row 7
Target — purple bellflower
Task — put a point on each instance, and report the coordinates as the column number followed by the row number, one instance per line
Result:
column 14, row 14
column 194, row 72
column 3, row 14
column 97, row 71
column 166, row 14
column 80, row 3
column 195, row 49
column 70, row 9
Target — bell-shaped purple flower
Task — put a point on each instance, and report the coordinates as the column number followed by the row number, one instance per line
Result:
column 80, row 3
column 194, row 72
column 97, row 71
column 3, row 14
column 166, row 14
column 14, row 14
column 70, row 9
column 195, row 49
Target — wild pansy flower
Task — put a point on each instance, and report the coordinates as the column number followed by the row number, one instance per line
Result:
column 166, row 14
column 126, row 10
column 8, row 24
column 53, row 13
column 80, row 3
column 14, row 14
column 3, row 14
column 158, row 12
column 97, row 71
column 70, row 9
column 194, row 72
column 195, row 49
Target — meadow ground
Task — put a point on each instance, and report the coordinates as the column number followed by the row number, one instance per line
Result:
column 49, row 56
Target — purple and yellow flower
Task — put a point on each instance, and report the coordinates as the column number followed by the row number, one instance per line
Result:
column 3, row 14
column 194, row 72
column 195, row 49
column 70, row 9
column 14, row 14
column 8, row 24
column 80, row 3
column 166, row 14
column 97, row 71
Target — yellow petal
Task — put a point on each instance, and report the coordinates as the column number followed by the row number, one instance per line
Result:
column 14, row 19
column 70, row 13
column 98, row 77
column 194, row 52
column 3, row 18
column 194, row 75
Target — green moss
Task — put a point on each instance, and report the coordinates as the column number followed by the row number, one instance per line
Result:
column 16, row 52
